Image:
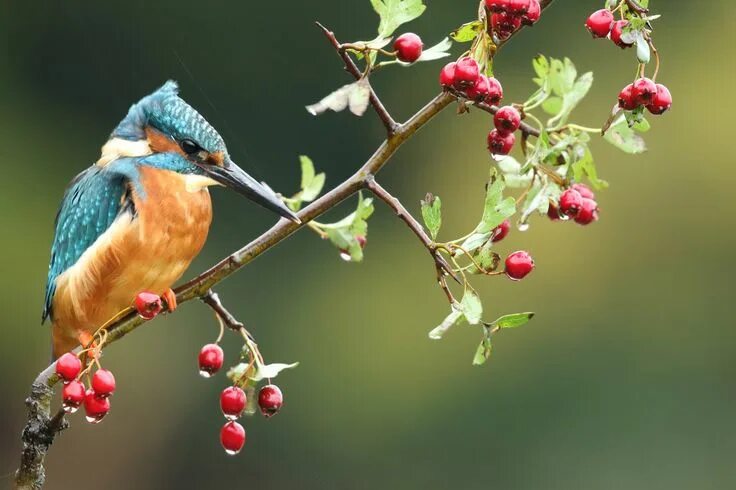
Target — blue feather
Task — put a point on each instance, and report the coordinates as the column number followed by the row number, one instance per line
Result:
column 92, row 202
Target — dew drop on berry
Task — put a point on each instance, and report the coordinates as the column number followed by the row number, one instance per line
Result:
column 230, row 452
column 205, row 374
column 70, row 408
column 522, row 226
column 95, row 419
column 346, row 256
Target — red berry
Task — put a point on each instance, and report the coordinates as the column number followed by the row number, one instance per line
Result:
column 584, row 191
column 95, row 407
column 103, row 383
column 553, row 212
column 616, row 31
column 232, row 437
column 68, row 367
column 495, row 91
column 480, row 91
column 148, row 305
column 626, row 99
column 662, row 101
column 507, row 119
column 570, row 202
column 600, row 22
column 500, row 232
column 519, row 265
column 533, row 14
column 232, row 402
column 497, row 5
column 73, row 396
column 644, row 91
column 588, row 212
column 211, row 359
column 408, row 47
column 517, row 7
column 447, row 74
column 362, row 240
column 466, row 73
column 270, row 400
column 500, row 143
column 506, row 23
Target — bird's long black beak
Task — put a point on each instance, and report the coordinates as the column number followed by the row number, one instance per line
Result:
column 235, row 178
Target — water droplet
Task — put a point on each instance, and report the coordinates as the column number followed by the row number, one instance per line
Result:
column 498, row 158
column 70, row 408
column 232, row 417
column 564, row 217
column 522, row 226
column 95, row 419
column 231, row 452
column 205, row 374
column 346, row 256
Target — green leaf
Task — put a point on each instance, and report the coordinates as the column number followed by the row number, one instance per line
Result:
column 484, row 351
column 467, row 32
column 266, row 371
column 514, row 320
column 393, row 13
column 541, row 68
column 572, row 97
column 472, row 307
column 486, row 258
column 436, row 52
column 624, row 138
column 643, row 54
column 552, row 106
column 432, row 214
column 475, row 240
column 343, row 234
column 450, row 321
column 511, row 170
column 585, row 166
column 496, row 209
column 311, row 184
column 355, row 95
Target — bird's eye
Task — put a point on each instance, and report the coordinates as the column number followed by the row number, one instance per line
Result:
column 189, row 147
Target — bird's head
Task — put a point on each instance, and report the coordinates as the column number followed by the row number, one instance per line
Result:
column 165, row 132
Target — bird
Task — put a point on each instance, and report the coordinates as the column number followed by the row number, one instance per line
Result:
column 137, row 217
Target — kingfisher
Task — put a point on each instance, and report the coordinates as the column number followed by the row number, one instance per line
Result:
column 136, row 218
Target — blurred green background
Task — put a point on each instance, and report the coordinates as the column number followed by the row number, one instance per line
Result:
column 624, row 379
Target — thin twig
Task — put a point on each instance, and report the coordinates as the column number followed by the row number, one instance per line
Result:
column 212, row 299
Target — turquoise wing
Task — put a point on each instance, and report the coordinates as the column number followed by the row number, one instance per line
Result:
column 91, row 203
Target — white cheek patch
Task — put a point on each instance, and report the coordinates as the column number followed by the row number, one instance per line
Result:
column 120, row 148
column 195, row 183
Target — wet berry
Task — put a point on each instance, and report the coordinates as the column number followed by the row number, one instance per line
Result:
column 232, row 402
column 95, row 407
column 103, row 383
column 480, row 91
column 500, row 143
column 588, row 212
column 211, row 358
column 506, row 23
column 644, row 91
column 570, row 203
column 232, row 437
column 519, row 265
column 517, row 7
column 553, row 212
column 497, row 5
column 584, row 191
column 626, row 99
column 661, row 102
column 495, row 91
column 533, row 14
column 600, row 22
column 616, row 31
column 507, row 119
column 408, row 47
column 466, row 73
column 270, row 400
column 500, row 232
column 73, row 396
column 148, row 305
column 447, row 75
column 68, row 367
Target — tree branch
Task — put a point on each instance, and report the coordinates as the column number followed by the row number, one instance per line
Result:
column 41, row 429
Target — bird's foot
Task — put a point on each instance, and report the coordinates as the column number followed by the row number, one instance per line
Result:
column 169, row 297
column 87, row 341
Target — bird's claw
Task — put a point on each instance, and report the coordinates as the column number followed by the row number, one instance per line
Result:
column 169, row 296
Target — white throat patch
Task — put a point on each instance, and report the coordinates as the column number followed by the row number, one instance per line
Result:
column 120, row 148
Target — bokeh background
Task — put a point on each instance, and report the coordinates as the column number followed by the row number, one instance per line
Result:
column 624, row 379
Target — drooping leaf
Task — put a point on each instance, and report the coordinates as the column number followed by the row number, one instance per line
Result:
column 355, row 95
column 483, row 353
column 432, row 214
column 393, row 13
column 623, row 137
column 265, row 371
column 585, row 167
column 552, row 106
column 451, row 320
column 643, row 54
column 513, row 320
column 467, row 32
column 495, row 209
column 436, row 52
column 472, row 307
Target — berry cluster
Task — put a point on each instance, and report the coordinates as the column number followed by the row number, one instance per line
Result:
column 643, row 92
column 576, row 203
column 507, row 16
column 96, row 398
column 233, row 400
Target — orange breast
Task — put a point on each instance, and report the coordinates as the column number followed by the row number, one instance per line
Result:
column 149, row 252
